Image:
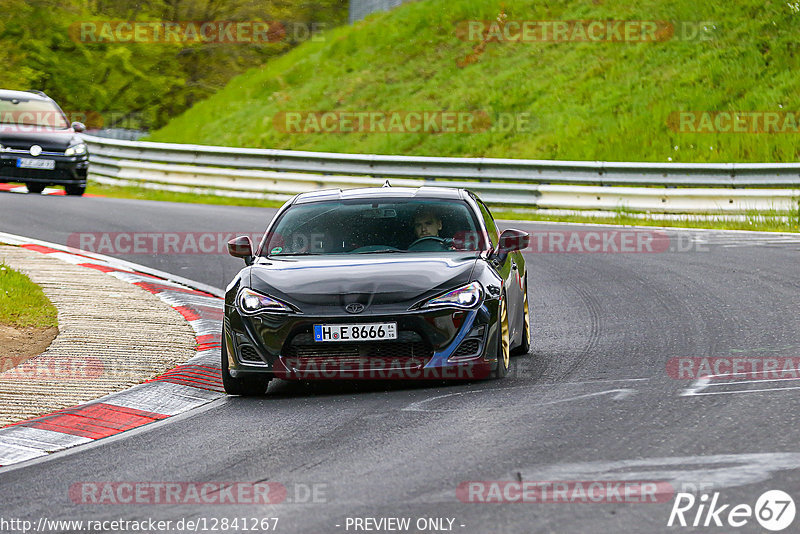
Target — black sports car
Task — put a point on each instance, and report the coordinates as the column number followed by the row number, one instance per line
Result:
column 386, row 283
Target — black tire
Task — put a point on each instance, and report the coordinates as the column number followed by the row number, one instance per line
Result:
column 525, row 346
column 35, row 188
column 248, row 386
column 503, row 342
column 75, row 190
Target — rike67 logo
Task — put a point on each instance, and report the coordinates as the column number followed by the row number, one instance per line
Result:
column 774, row 510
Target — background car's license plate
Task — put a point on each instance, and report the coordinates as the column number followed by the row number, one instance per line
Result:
column 31, row 163
column 355, row 332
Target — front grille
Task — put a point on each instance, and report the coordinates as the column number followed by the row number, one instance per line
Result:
column 408, row 344
column 469, row 347
column 249, row 354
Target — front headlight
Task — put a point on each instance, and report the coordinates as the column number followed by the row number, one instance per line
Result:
column 464, row 297
column 76, row 150
column 250, row 301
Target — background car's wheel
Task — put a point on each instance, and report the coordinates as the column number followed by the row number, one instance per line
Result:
column 75, row 190
column 503, row 342
column 248, row 386
column 525, row 345
column 35, row 188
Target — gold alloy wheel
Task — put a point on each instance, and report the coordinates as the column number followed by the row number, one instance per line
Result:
column 527, row 318
column 504, row 331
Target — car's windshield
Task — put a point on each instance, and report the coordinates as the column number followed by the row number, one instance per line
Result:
column 372, row 226
column 38, row 113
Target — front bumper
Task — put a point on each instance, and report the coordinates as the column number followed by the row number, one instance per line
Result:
column 436, row 344
column 69, row 170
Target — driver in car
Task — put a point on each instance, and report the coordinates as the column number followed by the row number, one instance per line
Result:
column 426, row 223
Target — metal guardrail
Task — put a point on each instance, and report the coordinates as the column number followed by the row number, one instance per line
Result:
column 673, row 188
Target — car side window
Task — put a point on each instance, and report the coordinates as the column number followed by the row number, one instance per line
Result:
column 491, row 227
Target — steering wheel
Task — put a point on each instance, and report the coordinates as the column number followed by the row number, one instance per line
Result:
column 430, row 240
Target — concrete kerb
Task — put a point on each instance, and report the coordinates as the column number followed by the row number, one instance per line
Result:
column 120, row 326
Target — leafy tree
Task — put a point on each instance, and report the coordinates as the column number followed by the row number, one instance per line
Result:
column 140, row 84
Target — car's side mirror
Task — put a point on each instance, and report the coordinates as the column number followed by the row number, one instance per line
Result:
column 510, row 241
column 79, row 127
column 241, row 247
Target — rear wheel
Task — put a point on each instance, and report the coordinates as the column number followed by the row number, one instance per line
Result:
column 75, row 190
column 35, row 188
column 503, row 342
column 525, row 345
column 246, row 386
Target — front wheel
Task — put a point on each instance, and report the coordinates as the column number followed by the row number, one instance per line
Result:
column 247, row 386
column 75, row 190
column 35, row 188
column 503, row 342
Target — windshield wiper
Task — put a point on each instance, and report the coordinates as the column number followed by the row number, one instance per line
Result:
column 295, row 254
column 382, row 251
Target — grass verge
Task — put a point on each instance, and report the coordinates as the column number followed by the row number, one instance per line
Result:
column 138, row 193
column 22, row 303
column 753, row 222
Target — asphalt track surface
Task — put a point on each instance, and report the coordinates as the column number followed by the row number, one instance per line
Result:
column 593, row 399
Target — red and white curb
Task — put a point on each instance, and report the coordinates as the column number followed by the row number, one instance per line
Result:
column 22, row 189
column 187, row 386
column 11, row 188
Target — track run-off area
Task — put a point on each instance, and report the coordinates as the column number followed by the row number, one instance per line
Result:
column 660, row 365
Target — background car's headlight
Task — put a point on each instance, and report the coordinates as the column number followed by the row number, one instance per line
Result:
column 252, row 302
column 464, row 297
column 76, row 150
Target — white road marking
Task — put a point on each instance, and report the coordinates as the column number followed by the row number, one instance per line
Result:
column 740, row 391
column 419, row 406
column 717, row 471
column 705, row 382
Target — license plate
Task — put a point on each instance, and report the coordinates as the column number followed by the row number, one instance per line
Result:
column 355, row 332
column 31, row 163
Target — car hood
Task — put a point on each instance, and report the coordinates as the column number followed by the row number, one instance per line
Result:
column 20, row 137
column 376, row 281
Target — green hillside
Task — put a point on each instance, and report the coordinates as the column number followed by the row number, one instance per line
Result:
column 585, row 100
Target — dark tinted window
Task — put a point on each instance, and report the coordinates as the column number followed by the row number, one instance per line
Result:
column 374, row 226
column 491, row 227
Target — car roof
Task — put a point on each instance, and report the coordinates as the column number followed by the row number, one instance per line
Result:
column 23, row 95
column 381, row 192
